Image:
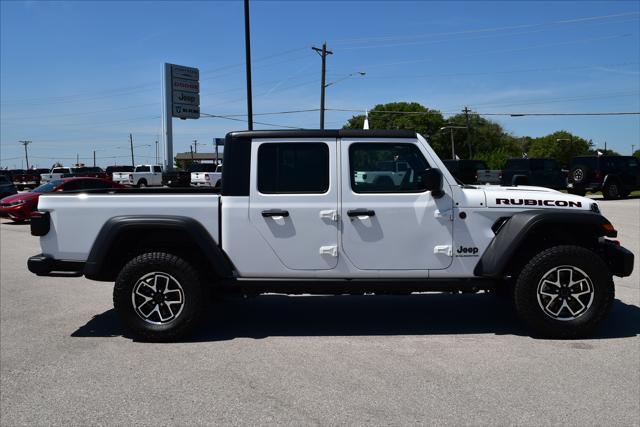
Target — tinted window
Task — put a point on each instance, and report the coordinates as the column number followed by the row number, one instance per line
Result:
column 203, row 167
column 591, row 162
column 73, row 185
column 89, row 184
column 550, row 165
column 293, row 168
column 517, row 164
column 157, row 169
column 60, row 170
column 143, row 169
column 49, row 186
column 4, row 180
column 370, row 171
column 112, row 169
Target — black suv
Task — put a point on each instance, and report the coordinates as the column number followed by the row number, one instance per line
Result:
column 538, row 172
column 615, row 176
column 465, row 170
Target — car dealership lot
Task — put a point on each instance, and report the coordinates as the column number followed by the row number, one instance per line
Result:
column 323, row 360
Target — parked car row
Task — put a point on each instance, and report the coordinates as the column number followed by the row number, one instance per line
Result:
column 19, row 207
column 614, row 176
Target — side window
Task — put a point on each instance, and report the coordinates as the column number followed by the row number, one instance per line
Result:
column 371, row 172
column 91, row 184
column 157, row 169
column 73, row 185
column 293, row 168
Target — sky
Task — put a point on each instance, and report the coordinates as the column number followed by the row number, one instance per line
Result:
column 81, row 76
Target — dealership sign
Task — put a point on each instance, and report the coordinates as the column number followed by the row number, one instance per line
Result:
column 185, row 92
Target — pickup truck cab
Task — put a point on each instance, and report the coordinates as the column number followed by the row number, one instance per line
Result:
column 142, row 176
column 54, row 174
column 206, row 175
column 539, row 172
column 292, row 217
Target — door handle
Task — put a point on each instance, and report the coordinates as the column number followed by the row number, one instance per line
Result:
column 361, row 212
column 275, row 212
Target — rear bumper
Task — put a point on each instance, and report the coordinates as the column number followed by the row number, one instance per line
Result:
column 44, row 265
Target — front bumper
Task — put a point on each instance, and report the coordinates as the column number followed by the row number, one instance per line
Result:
column 17, row 213
column 44, row 265
column 618, row 258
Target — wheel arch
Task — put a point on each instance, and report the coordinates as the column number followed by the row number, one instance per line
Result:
column 123, row 237
column 526, row 233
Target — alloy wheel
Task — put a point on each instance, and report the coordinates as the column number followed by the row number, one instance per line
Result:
column 565, row 293
column 157, row 298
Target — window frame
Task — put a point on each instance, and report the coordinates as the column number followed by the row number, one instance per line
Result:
column 324, row 144
column 352, row 177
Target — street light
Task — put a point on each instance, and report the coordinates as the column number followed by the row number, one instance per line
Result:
column 452, row 127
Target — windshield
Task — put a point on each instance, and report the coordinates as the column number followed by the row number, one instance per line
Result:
column 48, row 187
column 60, row 170
column 203, row 167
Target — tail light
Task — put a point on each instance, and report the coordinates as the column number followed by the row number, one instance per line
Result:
column 207, row 177
column 40, row 223
column 500, row 174
column 130, row 177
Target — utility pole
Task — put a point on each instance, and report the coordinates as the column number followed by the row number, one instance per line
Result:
column 323, row 53
column 466, row 112
column 94, row 158
column 133, row 163
column 247, row 48
column 26, row 153
column 156, row 151
column 605, row 148
column 191, row 148
column 632, row 148
column 77, row 160
column 195, row 146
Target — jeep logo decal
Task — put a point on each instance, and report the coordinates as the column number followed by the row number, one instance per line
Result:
column 533, row 202
column 464, row 251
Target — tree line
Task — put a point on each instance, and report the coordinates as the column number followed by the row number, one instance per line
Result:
column 474, row 137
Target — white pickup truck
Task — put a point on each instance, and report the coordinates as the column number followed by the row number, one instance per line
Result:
column 142, row 176
column 291, row 218
column 206, row 175
column 55, row 173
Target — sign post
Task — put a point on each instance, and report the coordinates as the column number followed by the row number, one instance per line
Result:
column 181, row 94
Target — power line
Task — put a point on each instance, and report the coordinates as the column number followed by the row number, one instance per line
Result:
column 490, row 29
column 216, row 116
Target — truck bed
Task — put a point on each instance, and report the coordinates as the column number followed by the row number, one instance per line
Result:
column 78, row 217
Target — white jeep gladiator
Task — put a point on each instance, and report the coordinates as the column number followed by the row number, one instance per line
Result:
column 292, row 218
column 142, row 176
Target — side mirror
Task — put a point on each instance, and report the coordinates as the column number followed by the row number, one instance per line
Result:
column 432, row 179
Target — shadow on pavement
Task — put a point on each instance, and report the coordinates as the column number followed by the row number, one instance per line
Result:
column 434, row 314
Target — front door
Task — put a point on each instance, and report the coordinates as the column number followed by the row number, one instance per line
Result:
column 294, row 201
column 390, row 222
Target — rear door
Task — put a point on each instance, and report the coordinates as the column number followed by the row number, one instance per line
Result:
column 389, row 225
column 293, row 200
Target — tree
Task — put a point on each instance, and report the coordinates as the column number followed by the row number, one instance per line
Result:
column 390, row 116
column 560, row 145
column 636, row 153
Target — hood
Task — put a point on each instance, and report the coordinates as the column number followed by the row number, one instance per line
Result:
column 20, row 196
column 525, row 197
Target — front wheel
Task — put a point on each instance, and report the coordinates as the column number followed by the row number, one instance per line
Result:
column 159, row 297
column 611, row 191
column 564, row 292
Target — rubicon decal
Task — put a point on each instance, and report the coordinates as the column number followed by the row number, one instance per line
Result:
column 534, row 202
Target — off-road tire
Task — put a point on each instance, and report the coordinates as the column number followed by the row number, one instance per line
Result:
column 579, row 174
column 142, row 183
column 526, row 295
column 189, row 281
column 612, row 191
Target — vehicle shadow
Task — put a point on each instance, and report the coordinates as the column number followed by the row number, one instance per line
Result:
column 433, row 314
column 10, row 222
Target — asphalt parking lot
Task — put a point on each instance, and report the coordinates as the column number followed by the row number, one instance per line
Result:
column 425, row 359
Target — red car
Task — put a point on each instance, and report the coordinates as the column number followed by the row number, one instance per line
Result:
column 19, row 207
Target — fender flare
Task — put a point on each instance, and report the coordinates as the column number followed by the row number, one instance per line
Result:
column 511, row 236
column 97, row 265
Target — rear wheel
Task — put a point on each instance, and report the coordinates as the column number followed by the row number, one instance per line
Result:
column 579, row 174
column 564, row 292
column 611, row 191
column 159, row 297
column 142, row 183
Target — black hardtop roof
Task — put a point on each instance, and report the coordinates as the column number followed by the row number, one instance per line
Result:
column 320, row 133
